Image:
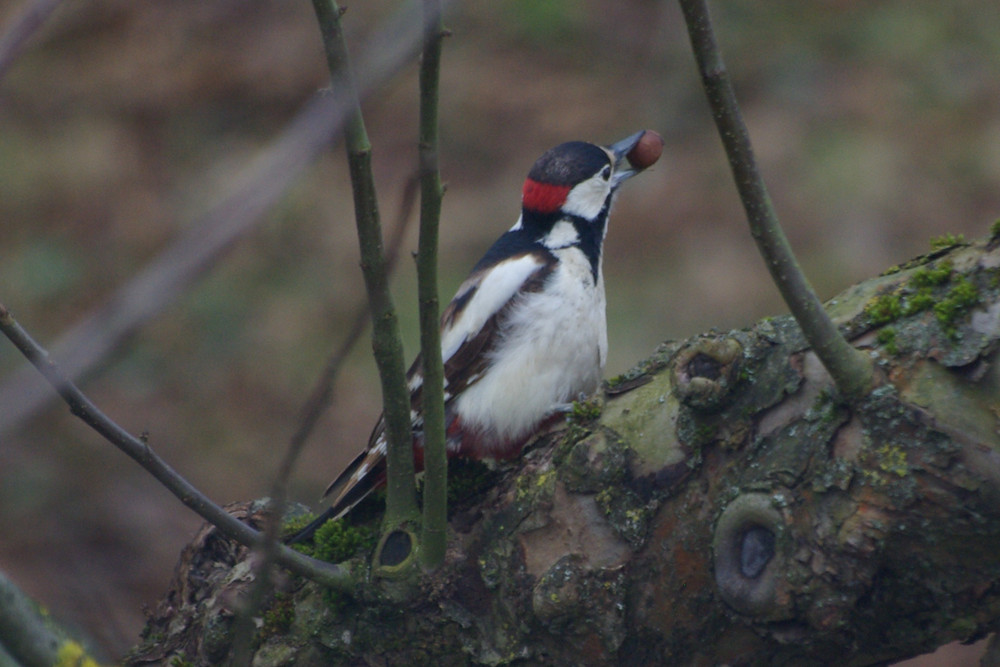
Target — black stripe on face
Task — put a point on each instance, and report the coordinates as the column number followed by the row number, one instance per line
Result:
column 591, row 233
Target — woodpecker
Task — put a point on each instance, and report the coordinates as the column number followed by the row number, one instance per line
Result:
column 526, row 332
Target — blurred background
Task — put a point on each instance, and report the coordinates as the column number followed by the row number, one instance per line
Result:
column 877, row 126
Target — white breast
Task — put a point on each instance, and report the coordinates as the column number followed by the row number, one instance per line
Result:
column 553, row 348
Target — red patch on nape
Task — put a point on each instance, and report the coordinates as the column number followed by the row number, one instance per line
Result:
column 543, row 197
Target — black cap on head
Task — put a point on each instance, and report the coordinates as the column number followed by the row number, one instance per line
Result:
column 569, row 163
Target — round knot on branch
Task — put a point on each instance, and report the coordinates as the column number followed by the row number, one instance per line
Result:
column 748, row 558
column 706, row 371
column 396, row 553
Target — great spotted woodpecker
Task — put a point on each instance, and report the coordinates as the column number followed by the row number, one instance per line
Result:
column 526, row 332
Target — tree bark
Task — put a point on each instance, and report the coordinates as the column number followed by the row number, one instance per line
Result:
column 720, row 504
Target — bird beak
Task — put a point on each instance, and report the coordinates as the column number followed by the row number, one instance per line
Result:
column 620, row 149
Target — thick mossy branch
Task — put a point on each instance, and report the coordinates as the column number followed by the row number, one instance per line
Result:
column 851, row 370
column 720, row 505
column 386, row 341
column 434, row 535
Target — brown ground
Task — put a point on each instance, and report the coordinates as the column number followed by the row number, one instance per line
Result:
column 876, row 124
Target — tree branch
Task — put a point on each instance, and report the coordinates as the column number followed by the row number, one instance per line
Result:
column 851, row 369
column 139, row 451
column 387, row 345
column 29, row 637
column 434, row 536
column 724, row 507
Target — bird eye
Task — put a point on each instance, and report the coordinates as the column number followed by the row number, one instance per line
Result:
column 606, row 173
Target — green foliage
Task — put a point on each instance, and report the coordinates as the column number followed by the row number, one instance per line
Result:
column 947, row 241
column 336, row 541
column 921, row 293
column 962, row 296
column 585, row 411
column 296, row 523
column 278, row 618
column 887, row 339
column 884, row 309
column 925, row 279
column 931, row 275
column 995, row 230
column 918, row 302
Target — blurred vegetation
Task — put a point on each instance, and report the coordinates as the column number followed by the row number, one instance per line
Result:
column 877, row 126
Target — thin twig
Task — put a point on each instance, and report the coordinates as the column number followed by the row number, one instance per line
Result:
column 433, row 540
column 139, row 451
column 401, row 505
column 852, row 370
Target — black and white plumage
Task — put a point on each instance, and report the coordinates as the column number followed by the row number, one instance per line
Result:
column 526, row 332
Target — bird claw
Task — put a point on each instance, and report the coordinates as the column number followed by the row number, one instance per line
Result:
column 566, row 408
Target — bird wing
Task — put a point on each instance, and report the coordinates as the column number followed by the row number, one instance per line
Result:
column 469, row 329
column 471, row 322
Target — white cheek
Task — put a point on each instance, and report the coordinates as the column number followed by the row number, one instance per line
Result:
column 587, row 199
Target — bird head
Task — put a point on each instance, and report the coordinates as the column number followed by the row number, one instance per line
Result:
column 577, row 180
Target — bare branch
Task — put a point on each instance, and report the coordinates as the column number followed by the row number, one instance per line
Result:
column 851, row 370
column 434, row 536
column 140, row 452
column 387, row 344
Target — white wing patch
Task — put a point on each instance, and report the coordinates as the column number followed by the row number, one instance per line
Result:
column 495, row 287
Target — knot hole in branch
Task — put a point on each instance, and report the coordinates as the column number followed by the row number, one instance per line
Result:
column 749, row 563
column 706, row 372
